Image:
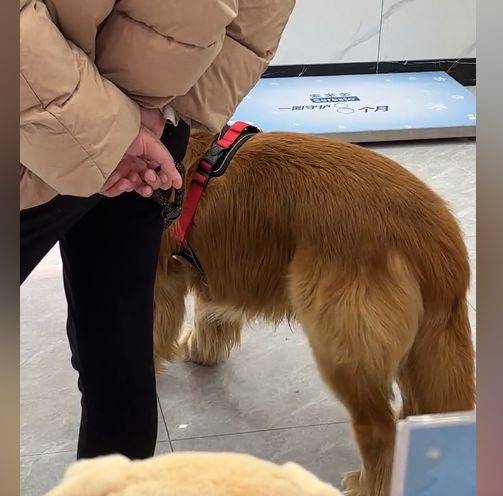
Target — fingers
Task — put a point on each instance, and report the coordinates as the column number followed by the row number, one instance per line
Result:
column 120, row 181
column 157, row 179
column 154, row 151
column 145, row 191
column 166, row 182
column 151, row 179
column 112, row 179
column 138, row 184
column 135, row 170
column 176, row 179
column 135, row 178
column 144, row 182
column 121, row 186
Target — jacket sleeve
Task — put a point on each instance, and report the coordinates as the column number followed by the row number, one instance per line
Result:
column 75, row 125
column 157, row 50
column 250, row 43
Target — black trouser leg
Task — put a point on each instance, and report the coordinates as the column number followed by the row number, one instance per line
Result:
column 109, row 249
column 41, row 227
column 109, row 261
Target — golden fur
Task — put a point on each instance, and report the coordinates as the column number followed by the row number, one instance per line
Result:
column 356, row 249
column 189, row 474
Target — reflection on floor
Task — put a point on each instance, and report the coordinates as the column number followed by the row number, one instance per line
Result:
column 266, row 400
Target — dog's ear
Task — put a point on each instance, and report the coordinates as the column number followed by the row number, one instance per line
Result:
column 309, row 484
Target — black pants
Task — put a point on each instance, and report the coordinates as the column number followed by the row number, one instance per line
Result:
column 109, row 249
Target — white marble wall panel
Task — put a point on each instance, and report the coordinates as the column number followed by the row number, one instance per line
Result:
column 427, row 29
column 331, row 31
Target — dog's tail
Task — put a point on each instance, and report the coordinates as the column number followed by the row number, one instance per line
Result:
column 438, row 373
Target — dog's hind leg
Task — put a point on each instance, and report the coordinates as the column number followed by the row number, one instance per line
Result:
column 438, row 375
column 361, row 323
column 216, row 331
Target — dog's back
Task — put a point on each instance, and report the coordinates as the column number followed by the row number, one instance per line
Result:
column 287, row 193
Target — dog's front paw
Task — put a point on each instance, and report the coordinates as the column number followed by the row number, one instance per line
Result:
column 189, row 350
column 184, row 344
column 352, row 484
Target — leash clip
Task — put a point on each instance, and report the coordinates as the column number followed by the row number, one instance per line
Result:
column 171, row 200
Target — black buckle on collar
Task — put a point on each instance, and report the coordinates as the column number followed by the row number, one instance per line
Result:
column 219, row 158
column 213, row 155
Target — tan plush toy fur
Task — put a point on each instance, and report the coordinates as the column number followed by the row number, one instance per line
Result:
column 189, row 474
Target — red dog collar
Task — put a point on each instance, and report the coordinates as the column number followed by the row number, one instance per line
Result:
column 213, row 164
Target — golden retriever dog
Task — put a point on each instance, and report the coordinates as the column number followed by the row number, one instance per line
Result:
column 353, row 247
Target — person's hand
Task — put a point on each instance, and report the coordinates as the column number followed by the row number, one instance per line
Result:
column 136, row 169
column 153, row 120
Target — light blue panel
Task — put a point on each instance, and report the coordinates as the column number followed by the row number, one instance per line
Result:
column 436, row 456
column 442, row 462
column 359, row 103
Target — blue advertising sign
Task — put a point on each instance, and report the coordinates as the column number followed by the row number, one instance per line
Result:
column 370, row 107
column 435, row 455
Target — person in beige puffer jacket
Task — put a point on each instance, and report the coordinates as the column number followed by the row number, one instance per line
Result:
column 101, row 81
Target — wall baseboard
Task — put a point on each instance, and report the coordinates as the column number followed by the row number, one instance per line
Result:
column 462, row 70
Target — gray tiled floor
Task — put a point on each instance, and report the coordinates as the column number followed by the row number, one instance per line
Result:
column 326, row 450
column 267, row 400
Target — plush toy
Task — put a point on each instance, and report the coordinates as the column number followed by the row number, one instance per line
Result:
column 189, row 474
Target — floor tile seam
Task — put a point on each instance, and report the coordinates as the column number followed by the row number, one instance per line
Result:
column 258, row 431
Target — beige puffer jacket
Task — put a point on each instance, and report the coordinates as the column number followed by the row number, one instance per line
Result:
column 86, row 64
